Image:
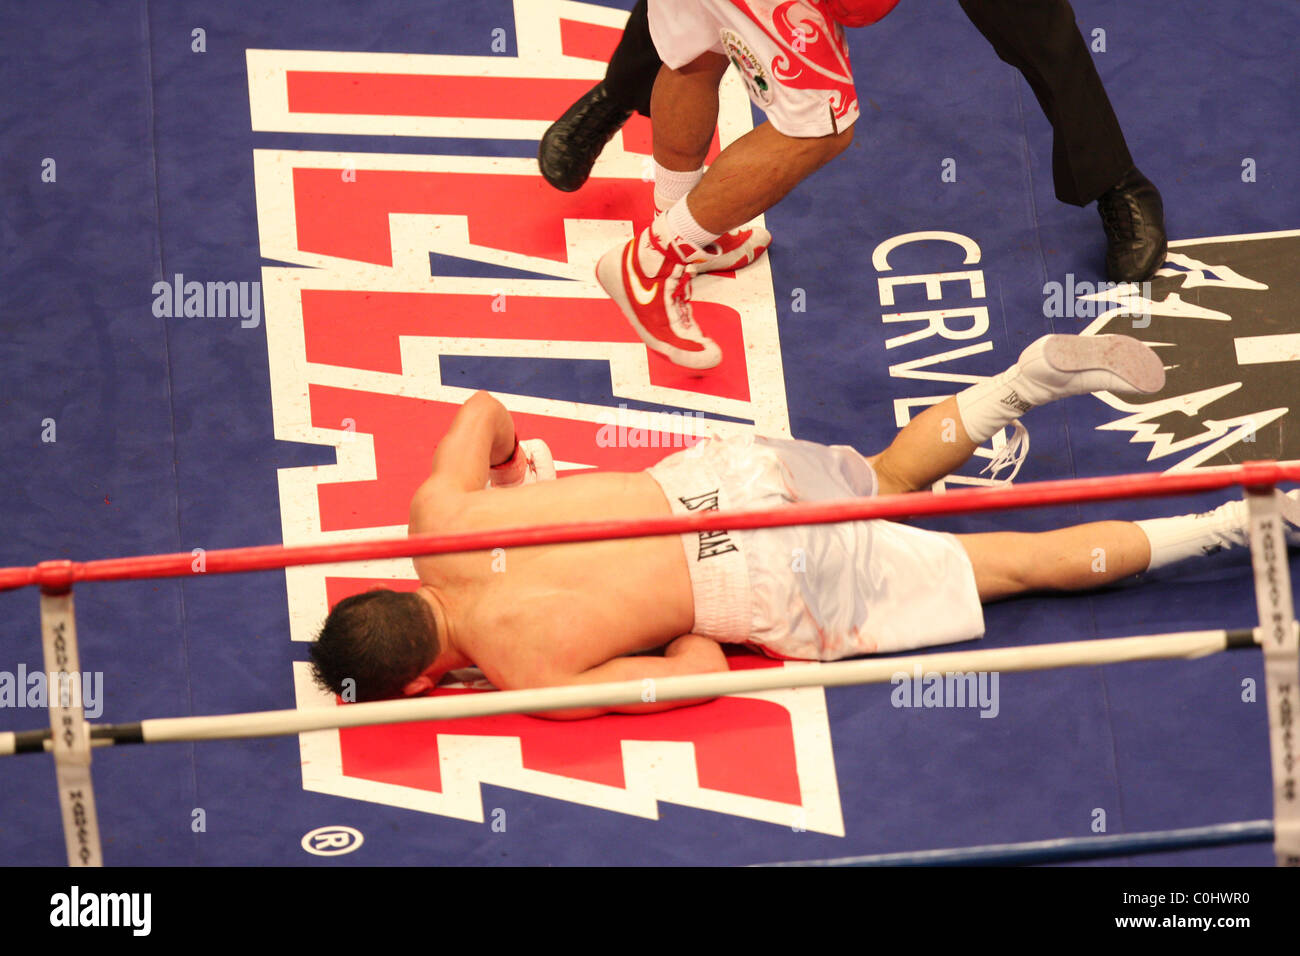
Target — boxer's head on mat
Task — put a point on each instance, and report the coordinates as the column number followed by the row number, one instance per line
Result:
column 380, row 640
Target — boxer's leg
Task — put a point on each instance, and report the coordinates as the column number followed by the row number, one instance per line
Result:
column 1094, row 555
column 684, row 111
column 931, row 446
column 650, row 277
column 749, row 176
column 943, row 437
column 1071, row 559
column 756, row 172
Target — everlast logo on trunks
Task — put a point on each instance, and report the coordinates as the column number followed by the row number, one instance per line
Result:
column 712, row 543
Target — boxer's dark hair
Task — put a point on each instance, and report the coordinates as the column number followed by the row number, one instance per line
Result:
column 381, row 639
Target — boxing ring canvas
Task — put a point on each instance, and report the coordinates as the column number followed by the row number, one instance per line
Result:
column 257, row 255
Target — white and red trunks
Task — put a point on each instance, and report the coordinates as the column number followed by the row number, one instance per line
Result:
column 813, row 592
column 794, row 61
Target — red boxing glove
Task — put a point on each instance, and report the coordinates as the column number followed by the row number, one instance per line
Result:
column 856, row 13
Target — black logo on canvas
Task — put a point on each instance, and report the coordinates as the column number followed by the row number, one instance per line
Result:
column 1224, row 315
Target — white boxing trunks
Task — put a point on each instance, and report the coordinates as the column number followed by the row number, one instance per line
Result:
column 813, row 592
column 794, row 61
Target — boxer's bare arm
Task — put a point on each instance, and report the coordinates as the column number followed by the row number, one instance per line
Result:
column 688, row 654
column 481, row 435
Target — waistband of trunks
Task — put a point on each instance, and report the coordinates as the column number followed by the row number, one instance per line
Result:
column 719, row 574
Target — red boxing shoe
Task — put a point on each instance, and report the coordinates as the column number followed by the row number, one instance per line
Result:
column 733, row 250
column 658, row 305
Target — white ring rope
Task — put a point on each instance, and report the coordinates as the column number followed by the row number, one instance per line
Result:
column 1187, row 645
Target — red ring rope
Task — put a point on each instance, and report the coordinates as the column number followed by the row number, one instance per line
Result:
column 61, row 575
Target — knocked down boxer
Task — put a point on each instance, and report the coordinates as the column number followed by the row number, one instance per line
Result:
column 586, row 613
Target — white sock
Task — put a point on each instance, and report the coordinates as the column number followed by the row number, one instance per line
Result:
column 671, row 185
column 1193, row 536
column 682, row 225
column 676, row 226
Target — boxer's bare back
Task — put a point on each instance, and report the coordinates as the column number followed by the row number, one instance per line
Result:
column 558, row 614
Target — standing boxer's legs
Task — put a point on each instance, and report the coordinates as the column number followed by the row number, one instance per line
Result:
column 650, row 277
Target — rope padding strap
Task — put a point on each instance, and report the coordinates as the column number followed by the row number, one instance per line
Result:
column 70, row 736
column 1280, row 639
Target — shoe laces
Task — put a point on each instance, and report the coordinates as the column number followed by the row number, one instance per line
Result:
column 1011, row 456
column 1120, row 215
column 680, row 315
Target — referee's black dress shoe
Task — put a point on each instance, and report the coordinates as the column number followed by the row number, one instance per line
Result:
column 571, row 145
column 1134, row 219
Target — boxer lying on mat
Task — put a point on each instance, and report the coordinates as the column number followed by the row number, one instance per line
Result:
column 586, row 613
